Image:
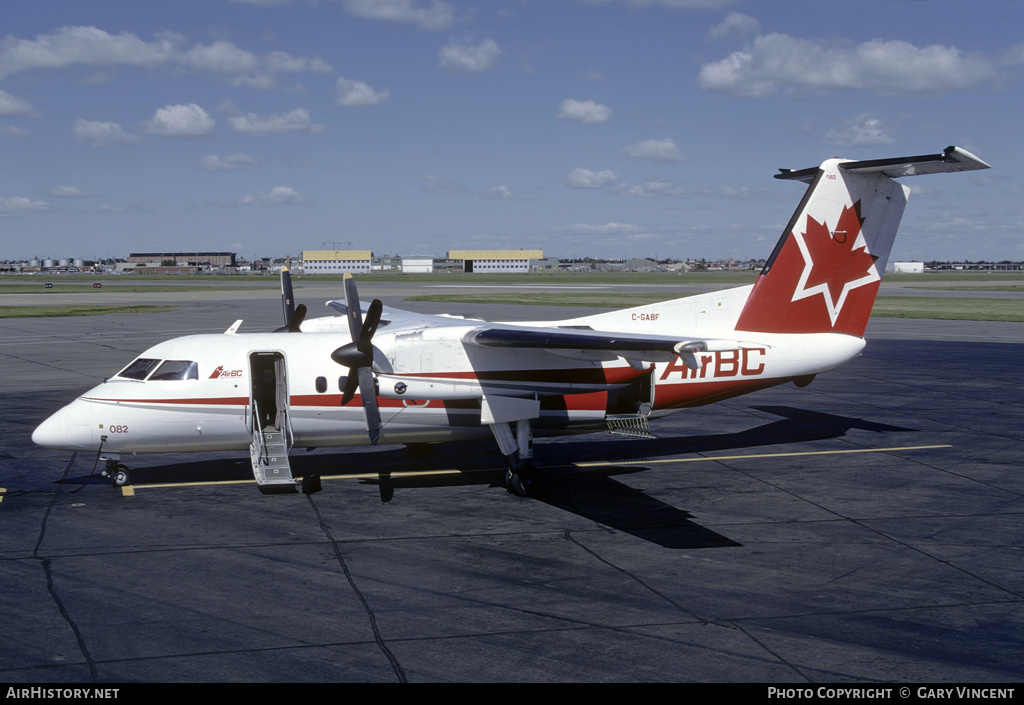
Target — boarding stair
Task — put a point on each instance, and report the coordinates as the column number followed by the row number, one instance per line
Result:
column 269, row 453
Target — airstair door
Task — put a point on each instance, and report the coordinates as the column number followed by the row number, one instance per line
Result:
column 271, row 428
column 629, row 408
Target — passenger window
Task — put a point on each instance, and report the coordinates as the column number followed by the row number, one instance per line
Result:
column 321, row 384
column 176, row 369
column 138, row 369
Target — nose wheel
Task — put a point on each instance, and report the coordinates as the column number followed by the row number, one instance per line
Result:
column 117, row 473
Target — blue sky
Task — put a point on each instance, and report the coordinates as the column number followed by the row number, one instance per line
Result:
column 608, row 128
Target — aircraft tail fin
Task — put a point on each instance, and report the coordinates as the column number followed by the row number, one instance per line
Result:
column 825, row 271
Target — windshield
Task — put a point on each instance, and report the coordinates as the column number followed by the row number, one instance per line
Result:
column 176, row 369
column 138, row 369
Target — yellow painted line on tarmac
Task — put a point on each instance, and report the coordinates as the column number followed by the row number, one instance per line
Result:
column 2, row 491
column 129, row 490
column 592, row 464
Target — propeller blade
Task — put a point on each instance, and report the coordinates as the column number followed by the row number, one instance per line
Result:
column 287, row 297
column 295, row 323
column 352, row 310
column 358, row 356
column 370, row 327
column 351, row 385
column 368, row 391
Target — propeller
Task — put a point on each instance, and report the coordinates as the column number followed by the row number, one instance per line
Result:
column 358, row 356
column 293, row 315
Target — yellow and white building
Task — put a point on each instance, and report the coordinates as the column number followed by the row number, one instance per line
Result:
column 337, row 261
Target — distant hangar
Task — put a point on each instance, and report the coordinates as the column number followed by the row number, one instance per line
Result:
column 468, row 261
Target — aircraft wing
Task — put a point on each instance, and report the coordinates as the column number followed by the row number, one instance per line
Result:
column 583, row 342
column 587, row 343
column 399, row 319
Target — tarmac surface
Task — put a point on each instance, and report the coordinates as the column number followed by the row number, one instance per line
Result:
column 866, row 528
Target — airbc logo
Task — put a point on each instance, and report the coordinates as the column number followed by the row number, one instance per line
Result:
column 221, row 372
column 748, row 362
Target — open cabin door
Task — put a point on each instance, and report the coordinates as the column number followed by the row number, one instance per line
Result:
column 270, row 423
column 630, row 406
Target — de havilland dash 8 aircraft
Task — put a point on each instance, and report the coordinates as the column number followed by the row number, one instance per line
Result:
column 386, row 375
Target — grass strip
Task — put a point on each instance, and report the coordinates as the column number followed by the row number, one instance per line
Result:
column 117, row 288
column 66, row 311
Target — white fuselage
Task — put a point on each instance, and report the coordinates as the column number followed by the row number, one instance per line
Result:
column 429, row 383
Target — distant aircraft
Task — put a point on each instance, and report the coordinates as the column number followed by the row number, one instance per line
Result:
column 386, row 375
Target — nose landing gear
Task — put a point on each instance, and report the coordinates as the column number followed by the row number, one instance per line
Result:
column 116, row 472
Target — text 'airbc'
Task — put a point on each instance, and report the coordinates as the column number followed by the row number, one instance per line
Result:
column 747, row 362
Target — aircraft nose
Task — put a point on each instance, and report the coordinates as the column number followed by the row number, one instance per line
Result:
column 67, row 429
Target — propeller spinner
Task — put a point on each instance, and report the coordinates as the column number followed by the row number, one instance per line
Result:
column 358, row 356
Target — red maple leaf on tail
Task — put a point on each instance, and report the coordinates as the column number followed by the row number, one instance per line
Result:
column 836, row 262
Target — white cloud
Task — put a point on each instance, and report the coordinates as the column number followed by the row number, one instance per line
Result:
column 860, row 131
column 674, row 4
column 12, row 131
column 735, row 24
column 283, row 62
column 93, row 47
column 228, row 162
column 11, row 105
column 498, row 193
column 780, row 63
column 433, row 16
column 220, row 57
column 650, row 188
column 586, row 111
column 277, row 196
column 440, row 186
column 358, row 94
column 102, row 134
column 88, row 46
column 19, row 204
column 585, row 178
column 180, row 121
column 658, row 151
column 740, row 193
column 465, row 58
column 68, row 192
column 297, row 120
column 605, row 229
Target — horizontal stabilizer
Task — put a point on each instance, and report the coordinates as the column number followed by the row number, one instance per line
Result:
column 950, row 160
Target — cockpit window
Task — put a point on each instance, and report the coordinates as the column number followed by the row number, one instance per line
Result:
column 138, row 369
column 176, row 369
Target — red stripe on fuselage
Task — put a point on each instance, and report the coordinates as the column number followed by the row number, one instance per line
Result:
column 681, row 396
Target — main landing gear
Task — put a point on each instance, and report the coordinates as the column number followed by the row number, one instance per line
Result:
column 521, row 478
column 116, row 472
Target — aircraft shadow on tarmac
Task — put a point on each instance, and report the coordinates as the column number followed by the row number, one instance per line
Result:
column 591, row 492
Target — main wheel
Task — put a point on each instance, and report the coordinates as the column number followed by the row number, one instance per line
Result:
column 523, row 482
